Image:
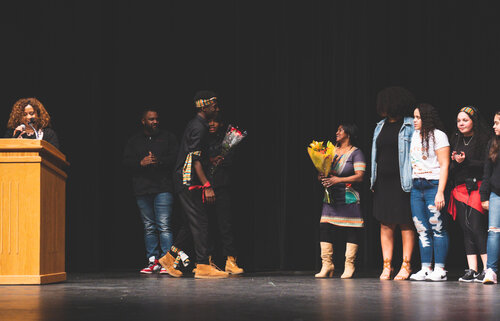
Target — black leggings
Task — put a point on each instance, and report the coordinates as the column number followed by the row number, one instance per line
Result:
column 475, row 227
column 328, row 231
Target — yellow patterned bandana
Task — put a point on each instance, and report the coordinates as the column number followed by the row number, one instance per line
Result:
column 205, row 102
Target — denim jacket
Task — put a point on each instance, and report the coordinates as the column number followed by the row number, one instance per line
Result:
column 404, row 142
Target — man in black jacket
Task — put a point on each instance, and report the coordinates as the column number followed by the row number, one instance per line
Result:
column 194, row 190
column 150, row 155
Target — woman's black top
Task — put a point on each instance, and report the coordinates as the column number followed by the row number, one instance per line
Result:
column 49, row 135
column 472, row 166
column 221, row 175
column 388, row 149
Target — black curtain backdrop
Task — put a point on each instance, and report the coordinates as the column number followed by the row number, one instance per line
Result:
column 286, row 71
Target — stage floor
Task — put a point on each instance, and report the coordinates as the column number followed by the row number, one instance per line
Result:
column 259, row 296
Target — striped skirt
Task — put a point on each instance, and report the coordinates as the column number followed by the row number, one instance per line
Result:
column 348, row 215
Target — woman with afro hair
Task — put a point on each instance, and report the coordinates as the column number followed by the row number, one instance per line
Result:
column 29, row 120
column 391, row 176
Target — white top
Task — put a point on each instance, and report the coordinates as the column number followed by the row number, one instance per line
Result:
column 426, row 165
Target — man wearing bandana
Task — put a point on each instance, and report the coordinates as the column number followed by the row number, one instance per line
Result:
column 194, row 189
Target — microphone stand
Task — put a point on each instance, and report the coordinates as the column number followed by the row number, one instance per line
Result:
column 30, row 123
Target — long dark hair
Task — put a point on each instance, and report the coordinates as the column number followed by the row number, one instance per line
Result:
column 430, row 122
column 479, row 127
column 495, row 145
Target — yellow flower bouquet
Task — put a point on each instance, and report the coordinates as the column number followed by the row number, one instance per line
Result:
column 322, row 157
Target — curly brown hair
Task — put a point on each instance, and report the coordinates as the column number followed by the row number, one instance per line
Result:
column 430, row 122
column 42, row 119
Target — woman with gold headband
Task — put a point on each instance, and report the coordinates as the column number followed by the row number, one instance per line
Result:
column 29, row 120
column 466, row 170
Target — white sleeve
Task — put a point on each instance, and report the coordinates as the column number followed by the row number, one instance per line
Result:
column 441, row 139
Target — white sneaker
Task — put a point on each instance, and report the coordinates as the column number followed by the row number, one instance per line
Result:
column 421, row 275
column 490, row 277
column 437, row 275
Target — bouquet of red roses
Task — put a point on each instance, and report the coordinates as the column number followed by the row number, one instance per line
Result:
column 232, row 138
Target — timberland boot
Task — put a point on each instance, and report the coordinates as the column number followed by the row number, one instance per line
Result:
column 167, row 261
column 207, row 271
column 209, row 262
column 351, row 250
column 232, row 267
column 327, row 267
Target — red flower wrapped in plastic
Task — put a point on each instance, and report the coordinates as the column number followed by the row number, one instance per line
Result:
column 232, row 138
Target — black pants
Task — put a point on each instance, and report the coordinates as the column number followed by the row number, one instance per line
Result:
column 328, row 232
column 219, row 216
column 195, row 224
column 475, row 227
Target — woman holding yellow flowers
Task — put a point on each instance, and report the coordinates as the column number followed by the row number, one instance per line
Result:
column 341, row 208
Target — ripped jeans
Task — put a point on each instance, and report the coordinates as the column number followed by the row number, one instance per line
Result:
column 429, row 222
column 493, row 232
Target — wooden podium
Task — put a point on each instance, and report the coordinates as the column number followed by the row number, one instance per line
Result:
column 32, row 212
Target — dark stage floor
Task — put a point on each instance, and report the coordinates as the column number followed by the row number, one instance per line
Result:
column 259, row 296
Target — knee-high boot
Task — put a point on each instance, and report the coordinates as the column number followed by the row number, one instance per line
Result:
column 326, row 259
column 351, row 250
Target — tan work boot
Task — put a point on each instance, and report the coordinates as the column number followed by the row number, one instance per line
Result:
column 209, row 262
column 167, row 261
column 350, row 256
column 207, row 271
column 232, row 267
column 327, row 267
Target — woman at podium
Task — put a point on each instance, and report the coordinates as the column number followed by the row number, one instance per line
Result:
column 29, row 120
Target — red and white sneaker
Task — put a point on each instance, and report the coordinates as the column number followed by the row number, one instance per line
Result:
column 153, row 266
column 163, row 270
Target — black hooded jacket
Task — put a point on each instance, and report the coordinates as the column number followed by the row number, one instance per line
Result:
column 151, row 179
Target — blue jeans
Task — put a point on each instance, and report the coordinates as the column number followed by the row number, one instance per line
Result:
column 156, row 212
column 493, row 246
column 431, row 228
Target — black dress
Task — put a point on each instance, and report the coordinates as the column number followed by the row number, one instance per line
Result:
column 391, row 205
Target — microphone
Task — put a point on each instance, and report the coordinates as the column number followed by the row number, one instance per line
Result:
column 19, row 132
column 31, row 122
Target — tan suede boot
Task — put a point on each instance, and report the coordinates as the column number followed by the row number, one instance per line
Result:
column 209, row 262
column 232, row 267
column 350, row 256
column 167, row 261
column 326, row 259
column 207, row 271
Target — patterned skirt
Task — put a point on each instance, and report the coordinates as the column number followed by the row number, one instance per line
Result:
column 348, row 215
